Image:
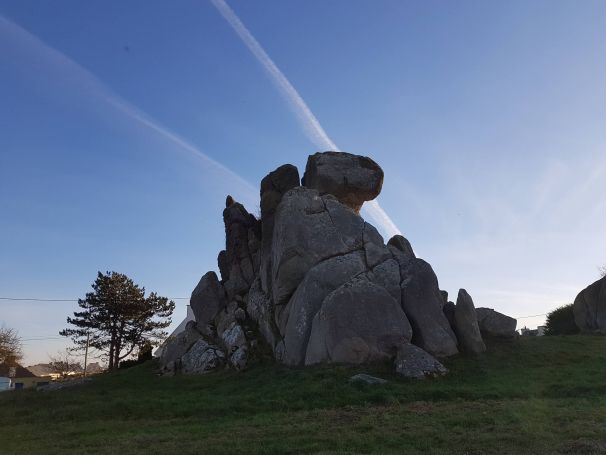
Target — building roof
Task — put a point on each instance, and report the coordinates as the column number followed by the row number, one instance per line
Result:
column 20, row 372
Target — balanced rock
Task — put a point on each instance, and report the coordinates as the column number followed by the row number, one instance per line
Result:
column 466, row 324
column 590, row 308
column 350, row 178
column 495, row 324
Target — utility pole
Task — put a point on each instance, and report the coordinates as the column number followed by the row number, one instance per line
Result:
column 86, row 354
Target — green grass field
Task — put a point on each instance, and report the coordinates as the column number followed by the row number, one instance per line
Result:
column 536, row 395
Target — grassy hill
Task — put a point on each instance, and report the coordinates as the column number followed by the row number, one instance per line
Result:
column 536, row 395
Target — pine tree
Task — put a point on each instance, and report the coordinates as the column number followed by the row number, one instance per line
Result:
column 118, row 318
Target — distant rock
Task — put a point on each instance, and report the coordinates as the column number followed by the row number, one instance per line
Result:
column 367, row 379
column 466, row 324
column 495, row 324
column 352, row 179
column 590, row 308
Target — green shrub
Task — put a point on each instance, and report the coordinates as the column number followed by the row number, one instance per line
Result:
column 561, row 321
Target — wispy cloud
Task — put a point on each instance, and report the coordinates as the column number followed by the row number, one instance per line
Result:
column 307, row 119
column 47, row 57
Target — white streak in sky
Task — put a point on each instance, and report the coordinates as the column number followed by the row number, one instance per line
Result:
column 308, row 120
column 19, row 40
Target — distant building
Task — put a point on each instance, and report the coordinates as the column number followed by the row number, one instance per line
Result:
column 180, row 328
column 538, row 332
column 20, row 377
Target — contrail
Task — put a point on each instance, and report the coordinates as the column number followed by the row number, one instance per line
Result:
column 307, row 119
column 17, row 38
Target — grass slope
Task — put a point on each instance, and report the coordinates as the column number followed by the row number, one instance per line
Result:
column 536, row 395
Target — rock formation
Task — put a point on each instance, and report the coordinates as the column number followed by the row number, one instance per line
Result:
column 312, row 282
column 590, row 308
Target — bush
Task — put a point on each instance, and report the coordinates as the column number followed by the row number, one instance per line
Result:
column 561, row 321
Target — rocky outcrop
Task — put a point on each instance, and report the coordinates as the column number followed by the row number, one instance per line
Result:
column 495, row 324
column 311, row 282
column 352, row 179
column 466, row 324
column 590, row 308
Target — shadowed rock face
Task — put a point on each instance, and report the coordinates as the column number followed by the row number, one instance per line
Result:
column 273, row 187
column 207, row 299
column 590, row 308
column 312, row 282
column 352, row 179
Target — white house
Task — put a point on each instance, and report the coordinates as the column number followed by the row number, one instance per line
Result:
column 180, row 328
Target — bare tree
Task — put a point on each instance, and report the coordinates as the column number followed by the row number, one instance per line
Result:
column 64, row 364
column 11, row 348
column 602, row 270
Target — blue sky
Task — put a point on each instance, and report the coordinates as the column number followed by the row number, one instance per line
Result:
column 123, row 125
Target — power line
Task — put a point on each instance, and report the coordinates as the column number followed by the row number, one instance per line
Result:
column 22, row 299
column 531, row 316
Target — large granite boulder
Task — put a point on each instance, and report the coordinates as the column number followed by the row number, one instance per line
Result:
column 351, row 178
column 590, row 308
column 207, row 300
column 321, row 280
column 422, row 303
column 495, row 324
column 273, row 187
column 466, row 324
column 308, row 229
column 359, row 322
